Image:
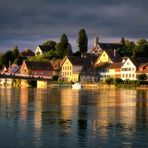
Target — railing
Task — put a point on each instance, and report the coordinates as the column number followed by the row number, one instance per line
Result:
column 22, row 76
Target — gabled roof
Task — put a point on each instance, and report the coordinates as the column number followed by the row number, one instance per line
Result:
column 106, row 46
column 75, row 60
column 106, row 65
column 114, row 55
column 80, row 60
column 143, row 68
column 39, row 65
column 27, row 53
column 45, row 48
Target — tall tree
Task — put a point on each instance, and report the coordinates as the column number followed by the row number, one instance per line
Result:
column 141, row 48
column 129, row 48
column 82, row 41
column 123, row 47
column 1, row 60
column 8, row 58
column 16, row 52
column 63, row 47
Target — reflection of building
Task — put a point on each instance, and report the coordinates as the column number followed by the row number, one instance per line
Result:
column 23, row 103
column 69, row 103
column 141, row 106
column 115, row 109
column 38, row 109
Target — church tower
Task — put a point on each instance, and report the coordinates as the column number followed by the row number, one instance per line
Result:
column 96, row 42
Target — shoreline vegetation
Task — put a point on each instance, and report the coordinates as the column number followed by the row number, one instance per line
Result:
column 87, row 85
column 99, row 85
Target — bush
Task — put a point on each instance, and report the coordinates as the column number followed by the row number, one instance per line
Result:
column 118, row 81
column 109, row 81
column 55, row 78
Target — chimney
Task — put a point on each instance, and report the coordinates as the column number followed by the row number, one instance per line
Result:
column 114, row 53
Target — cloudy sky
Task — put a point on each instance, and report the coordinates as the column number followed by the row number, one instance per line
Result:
column 27, row 23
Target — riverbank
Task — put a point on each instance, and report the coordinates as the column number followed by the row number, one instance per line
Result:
column 84, row 85
column 100, row 86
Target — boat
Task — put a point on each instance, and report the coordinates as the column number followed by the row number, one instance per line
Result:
column 76, row 86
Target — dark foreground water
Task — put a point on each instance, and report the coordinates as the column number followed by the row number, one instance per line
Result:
column 66, row 118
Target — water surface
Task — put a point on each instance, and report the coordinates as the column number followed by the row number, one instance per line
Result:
column 62, row 117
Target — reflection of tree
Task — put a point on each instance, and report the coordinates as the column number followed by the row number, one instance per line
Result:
column 141, row 106
column 68, row 111
column 82, row 118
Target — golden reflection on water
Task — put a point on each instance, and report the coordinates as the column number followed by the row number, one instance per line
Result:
column 82, row 112
column 116, row 108
column 23, row 103
column 69, row 102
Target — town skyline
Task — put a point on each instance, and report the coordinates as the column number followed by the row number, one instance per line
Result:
column 27, row 24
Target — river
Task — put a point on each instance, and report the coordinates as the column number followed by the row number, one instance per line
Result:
column 66, row 118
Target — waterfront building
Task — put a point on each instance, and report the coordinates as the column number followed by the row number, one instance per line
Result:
column 128, row 70
column 143, row 69
column 71, row 67
column 37, row 68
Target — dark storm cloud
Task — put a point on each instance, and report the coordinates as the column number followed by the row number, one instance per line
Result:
column 32, row 21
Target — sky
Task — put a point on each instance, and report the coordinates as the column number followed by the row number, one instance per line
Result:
column 28, row 23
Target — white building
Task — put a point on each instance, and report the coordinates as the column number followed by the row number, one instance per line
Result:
column 128, row 70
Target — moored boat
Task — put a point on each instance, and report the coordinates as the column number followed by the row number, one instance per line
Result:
column 76, row 86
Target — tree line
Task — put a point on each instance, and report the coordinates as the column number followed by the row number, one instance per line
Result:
column 10, row 56
column 63, row 48
column 134, row 50
column 59, row 50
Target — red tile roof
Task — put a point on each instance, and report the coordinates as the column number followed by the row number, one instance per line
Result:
column 39, row 65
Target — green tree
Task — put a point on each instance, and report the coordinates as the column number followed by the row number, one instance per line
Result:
column 50, row 43
column 144, row 50
column 63, row 48
column 16, row 52
column 142, row 77
column 1, row 60
column 82, row 41
column 129, row 48
column 123, row 47
column 8, row 58
column 140, row 48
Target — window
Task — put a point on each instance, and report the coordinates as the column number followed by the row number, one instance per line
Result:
column 128, row 63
